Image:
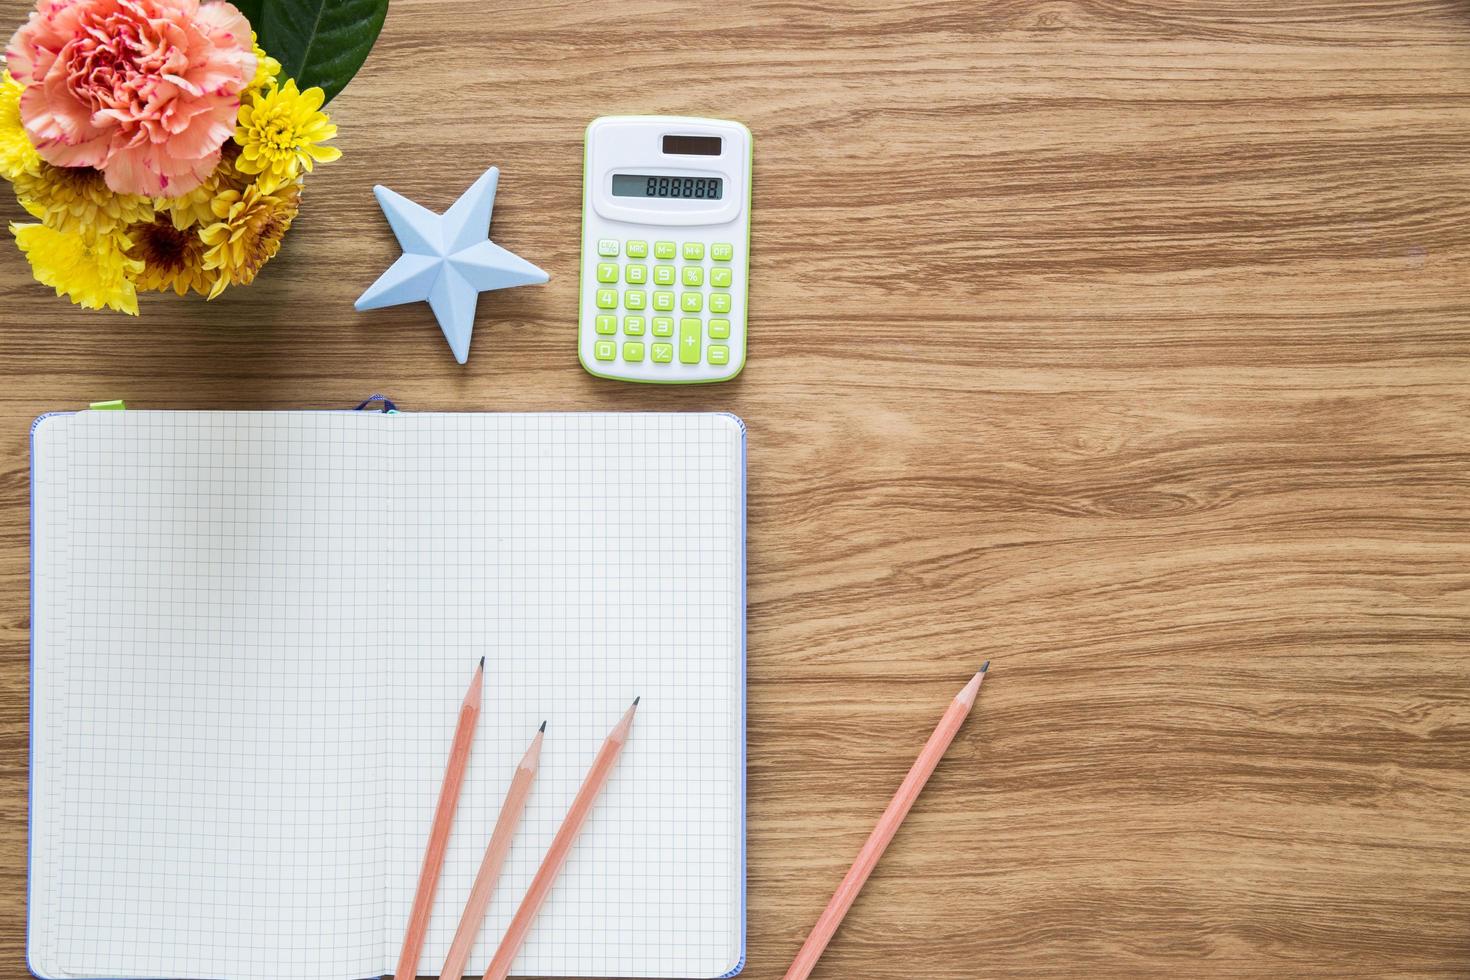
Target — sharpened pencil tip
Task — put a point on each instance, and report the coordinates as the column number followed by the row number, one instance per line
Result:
column 636, row 700
column 986, row 667
column 543, row 726
column 482, row 663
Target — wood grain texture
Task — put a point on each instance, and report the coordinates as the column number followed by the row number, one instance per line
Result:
column 1124, row 342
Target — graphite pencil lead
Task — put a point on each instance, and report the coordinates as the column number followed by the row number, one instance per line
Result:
column 986, row 667
column 543, row 726
column 636, row 700
column 482, row 662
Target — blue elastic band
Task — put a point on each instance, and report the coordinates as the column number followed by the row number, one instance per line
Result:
column 388, row 405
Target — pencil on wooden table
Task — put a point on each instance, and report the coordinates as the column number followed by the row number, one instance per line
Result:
column 499, row 847
column 423, row 897
column 888, row 824
column 561, row 845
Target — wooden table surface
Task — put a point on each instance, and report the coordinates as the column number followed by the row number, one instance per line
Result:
column 1122, row 343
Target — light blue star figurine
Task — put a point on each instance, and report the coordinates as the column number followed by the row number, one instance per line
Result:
column 447, row 260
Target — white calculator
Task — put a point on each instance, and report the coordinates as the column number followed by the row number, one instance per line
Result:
column 665, row 249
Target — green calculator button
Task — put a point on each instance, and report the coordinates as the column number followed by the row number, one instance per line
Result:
column 635, row 299
column 633, row 352
column 691, row 302
column 663, row 300
column 636, row 275
column 633, row 326
column 607, row 299
column 604, row 350
column 721, row 277
column 608, row 247
column 663, row 353
column 607, row 272
column 722, row 251
column 663, row 326
column 694, row 251
column 663, row 275
column 719, row 354
column 694, row 275
column 607, row 323
column 689, row 340
column 719, row 329
column 719, row 303
column 637, row 249
column 664, row 250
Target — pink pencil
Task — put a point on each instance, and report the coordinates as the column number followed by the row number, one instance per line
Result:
column 500, row 840
column 888, row 824
column 561, row 844
column 459, row 761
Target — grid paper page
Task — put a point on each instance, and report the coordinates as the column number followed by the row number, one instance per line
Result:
column 234, row 561
column 222, row 787
column 592, row 559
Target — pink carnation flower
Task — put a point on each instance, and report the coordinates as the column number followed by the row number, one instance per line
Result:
column 144, row 90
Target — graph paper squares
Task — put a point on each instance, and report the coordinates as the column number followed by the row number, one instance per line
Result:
column 252, row 634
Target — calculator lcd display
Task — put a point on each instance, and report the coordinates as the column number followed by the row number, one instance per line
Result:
column 655, row 185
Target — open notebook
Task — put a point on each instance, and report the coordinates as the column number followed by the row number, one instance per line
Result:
column 251, row 636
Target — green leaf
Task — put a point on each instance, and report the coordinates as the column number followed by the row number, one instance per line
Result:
column 317, row 42
column 251, row 9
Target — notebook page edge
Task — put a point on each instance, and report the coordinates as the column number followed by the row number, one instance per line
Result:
column 744, row 502
column 37, row 924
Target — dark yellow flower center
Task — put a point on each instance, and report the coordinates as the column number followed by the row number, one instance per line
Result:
column 164, row 247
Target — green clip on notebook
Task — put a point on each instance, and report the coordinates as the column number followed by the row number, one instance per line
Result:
column 251, row 637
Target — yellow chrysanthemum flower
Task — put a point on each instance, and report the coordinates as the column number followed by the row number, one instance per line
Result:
column 248, row 233
column 91, row 273
column 266, row 67
column 281, row 131
column 197, row 206
column 77, row 200
column 172, row 257
column 17, row 154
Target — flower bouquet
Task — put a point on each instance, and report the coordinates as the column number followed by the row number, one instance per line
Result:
column 159, row 145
